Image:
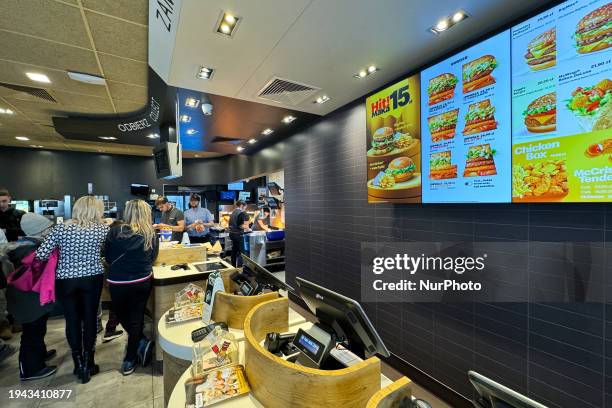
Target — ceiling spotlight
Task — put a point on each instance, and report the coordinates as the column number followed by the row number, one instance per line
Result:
column 372, row 68
column 205, row 72
column 108, row 138
column 34, row 76
column 447, row 22
column 207, row 106
column 185, row 118
column 267, row 131
column 240, row 148
column 36, row 146
column 322, row 99
column 251, row 141
column 6, row 111
column 153, row 136
column 365, row 72
column 289, row 119
column 22, row 138
column 227, row 24
column 192, row 102
column 191, row 131
column 362, row 74
column 458, row 16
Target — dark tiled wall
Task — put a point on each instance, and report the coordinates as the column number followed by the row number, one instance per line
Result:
column 559, row 354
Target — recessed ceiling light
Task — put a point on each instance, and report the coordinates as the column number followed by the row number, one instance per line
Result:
column 6, row 111
column 192, row 102
column 37, row 146
column 447, row 22
column 322, row 99
column 251, row 141
column 362, row 74
column 22, row 138
column 35, row 76
column 153, row 136
column 240, row 148
column 365, row 72
column 108, row 137
column 185, row 118
column 86, row 78
column 267, row 131
column 227, row 24
column 205, row 72
column 191, row 131
column 372, row 68
column 289, row 119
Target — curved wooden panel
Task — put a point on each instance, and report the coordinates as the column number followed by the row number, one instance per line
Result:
column 392, row 394
column 278, row 383
column 232, row 309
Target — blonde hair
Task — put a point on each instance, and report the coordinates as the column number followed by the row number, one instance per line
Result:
column 137, row 215
column 87, row 211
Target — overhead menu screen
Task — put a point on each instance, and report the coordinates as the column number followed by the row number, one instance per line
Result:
column 466, row 125
column 562, row 104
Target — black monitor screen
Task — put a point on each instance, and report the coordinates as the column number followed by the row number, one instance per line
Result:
column 141, row 190
column 262, row 275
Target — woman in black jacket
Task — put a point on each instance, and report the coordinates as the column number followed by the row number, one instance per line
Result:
column 130, row 250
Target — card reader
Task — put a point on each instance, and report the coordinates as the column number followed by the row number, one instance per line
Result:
column 314, row 346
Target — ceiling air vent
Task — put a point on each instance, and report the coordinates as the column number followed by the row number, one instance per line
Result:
column 287, row 92
column 28, row 93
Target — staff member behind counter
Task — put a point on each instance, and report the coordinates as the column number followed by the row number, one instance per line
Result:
column 262, row 222
column 238, row 225
column 198, row 221
column 172, row 218
column 10, row 218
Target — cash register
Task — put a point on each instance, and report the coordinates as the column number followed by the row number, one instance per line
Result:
column 255, row 279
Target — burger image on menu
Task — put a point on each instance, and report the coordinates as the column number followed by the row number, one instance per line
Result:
column 441, row 88
column 479, row 161
column 402, row 169
column 541, row 114
column 477, row 73
column 443, row 126
column 440, row 166
column 594, row 31
column 382, row 141
column 542, row 50
column 479, row 118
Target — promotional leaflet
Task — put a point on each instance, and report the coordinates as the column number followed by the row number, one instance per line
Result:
column 466, row 125
column 562, row 104
column 394, row 143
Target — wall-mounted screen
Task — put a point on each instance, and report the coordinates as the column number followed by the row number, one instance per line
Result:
column 465, row 117
column 227, row 195
column 562, row 104
column 394, row 143
column 238, row 185
column 522, row 116
column 244, row 196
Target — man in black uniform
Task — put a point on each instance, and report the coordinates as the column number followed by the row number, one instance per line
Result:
column 238, row 225
column 172, row 218
column 10, row 218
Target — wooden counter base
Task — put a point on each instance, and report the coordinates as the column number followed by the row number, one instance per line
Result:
column 278, row 383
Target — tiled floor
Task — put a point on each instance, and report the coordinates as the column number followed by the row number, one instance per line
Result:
column 109, row 389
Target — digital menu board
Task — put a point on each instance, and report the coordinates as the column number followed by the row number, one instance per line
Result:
column 465, row 118
column 394, row 143
column 562, row 104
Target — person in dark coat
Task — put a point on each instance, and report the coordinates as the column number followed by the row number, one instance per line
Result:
column 25, row 306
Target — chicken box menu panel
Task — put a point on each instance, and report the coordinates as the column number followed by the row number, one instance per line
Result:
column 394, row 143
column 465, row 116
column 562, row 104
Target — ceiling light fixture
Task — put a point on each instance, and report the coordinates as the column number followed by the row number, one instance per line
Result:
column 227, row 24
column 207, row 106
column 86, row 78
column 240, row 148
column 267, row 131
column 322, row 99
column 251, row 141
column 366, row 72
column 22, row 138
column 37, row 146
column 205, row 72
column 185, row 118
column 289, row 119
column 153, row 136
column 192, row 102
column 6, row 111
column 35, row 76
column 447, row 22
column 191, row 131
column 108, row 137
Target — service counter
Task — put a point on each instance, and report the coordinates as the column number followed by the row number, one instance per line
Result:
column 277, row 383
column 167, row 282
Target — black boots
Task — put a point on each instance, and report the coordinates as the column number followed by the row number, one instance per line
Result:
column 84, row 366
